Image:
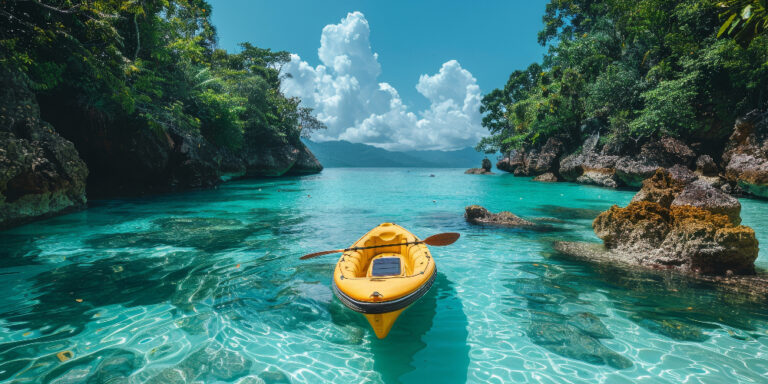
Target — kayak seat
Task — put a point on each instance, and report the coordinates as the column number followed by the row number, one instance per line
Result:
column 386, row 266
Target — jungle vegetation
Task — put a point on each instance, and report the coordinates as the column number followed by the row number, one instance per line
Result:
column 635, row 70
column 151, row 63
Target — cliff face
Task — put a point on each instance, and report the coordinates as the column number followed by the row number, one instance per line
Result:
column 739, row 166
column 43, row 173
column 746, row 156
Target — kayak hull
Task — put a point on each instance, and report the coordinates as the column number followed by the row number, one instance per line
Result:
column 383, row 281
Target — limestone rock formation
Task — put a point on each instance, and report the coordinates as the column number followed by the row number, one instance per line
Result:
column 478, row 171
column 306, row 163
column 476, row 214
column 746, row 156
column 41, row 173
column 546, row 177
column 535, row 161
column 669, row 224
column 484, row 170
column 486, row 164
column 667, row 152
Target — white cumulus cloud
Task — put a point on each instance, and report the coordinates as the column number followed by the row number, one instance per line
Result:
column 346, row 95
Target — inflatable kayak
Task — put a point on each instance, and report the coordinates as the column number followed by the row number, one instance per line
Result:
column 383, row 273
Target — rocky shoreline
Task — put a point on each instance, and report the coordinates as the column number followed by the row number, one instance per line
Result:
column 738, row 167
column 44, row 172
column 677, row 225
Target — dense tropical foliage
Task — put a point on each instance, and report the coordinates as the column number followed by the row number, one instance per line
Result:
column 632, row 71
column 148, row 63
column 744, row 19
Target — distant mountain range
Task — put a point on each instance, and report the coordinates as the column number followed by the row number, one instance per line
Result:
column 334, row 154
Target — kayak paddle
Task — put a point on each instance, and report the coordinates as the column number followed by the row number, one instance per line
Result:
column 438, row 240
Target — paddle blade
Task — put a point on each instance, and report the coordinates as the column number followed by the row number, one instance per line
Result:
column 311, row 255
column 442, row 239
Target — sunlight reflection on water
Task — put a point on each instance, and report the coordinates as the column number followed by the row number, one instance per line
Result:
column 206, row 286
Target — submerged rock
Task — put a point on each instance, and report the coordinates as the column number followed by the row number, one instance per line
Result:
column 737, row 288
column 212, row 362
column 590, row 324
column 570, row 341
column 476, row 214
column 674, row 329
column 568, row 213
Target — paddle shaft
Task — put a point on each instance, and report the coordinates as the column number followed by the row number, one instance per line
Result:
column 438, row 240
column 383, row 245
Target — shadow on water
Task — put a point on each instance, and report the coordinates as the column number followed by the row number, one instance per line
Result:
column 429, row 340
column 574, row 335
column 205, row 233
column 569, row 213
column 17, row 250
column 676, row 306
column 59, row 301
column 673, row 306
column 67, row 294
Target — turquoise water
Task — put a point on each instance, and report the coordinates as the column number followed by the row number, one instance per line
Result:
column 206, row 286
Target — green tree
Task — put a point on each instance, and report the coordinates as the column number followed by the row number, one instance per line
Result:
column 744, row 20
column 632, row 70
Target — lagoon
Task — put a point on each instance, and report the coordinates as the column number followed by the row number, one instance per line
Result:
column 207, row 286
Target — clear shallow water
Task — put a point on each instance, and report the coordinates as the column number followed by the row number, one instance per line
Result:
column 206, row 286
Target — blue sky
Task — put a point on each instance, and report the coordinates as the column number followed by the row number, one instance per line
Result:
column 410, row 39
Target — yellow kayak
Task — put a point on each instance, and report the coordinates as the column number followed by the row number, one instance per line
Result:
column 381, row 282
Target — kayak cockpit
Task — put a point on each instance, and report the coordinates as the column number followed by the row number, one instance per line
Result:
column 382, row 281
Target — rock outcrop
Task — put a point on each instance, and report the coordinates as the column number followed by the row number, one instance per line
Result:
column 44, row 167
column 691, row 227
column 534, row 161
column 41, row 173
column 478, row 171
column 746, row 156
column 590, row 165
column 476, row 214
column 612, row 166
column 485, row 169
column 615, row 163
column 546, row 177
column 306, row 163
column 663, row 153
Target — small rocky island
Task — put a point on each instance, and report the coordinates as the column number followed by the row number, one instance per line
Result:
column 476, row 214
column 485, row 169
column 679, row 223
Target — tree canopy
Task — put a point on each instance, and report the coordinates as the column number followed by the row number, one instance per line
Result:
column 154, row 63
column 630, row 70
